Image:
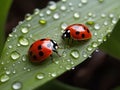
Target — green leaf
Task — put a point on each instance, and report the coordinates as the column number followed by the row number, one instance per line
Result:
column 112, row 45
column 4, row 7
column 18, row 72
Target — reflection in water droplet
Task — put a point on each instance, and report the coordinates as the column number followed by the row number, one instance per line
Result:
column 23, row 41
column 42, row 21
column 75, row 54
column 40, row 76
column 24, row 30
column 56, row 16
column 16, row 85
column 84, row 1
column 4, row 78
column 15, row 55
column 76, row 15
column 94, row 44
column 52, row 5
column 63, row 26
column 97, row 26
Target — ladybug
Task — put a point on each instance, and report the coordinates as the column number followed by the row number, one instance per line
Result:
column 42, row 49
column 77, row 32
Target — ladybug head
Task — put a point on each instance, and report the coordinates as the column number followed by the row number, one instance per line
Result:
column 66, row 34
column 55, row 45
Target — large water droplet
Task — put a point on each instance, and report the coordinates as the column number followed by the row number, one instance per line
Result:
column 76, row 15
column 24, row 30
column 40, row 76
column 75, row 54
column 15, row 55
column 23, row 41
column 17, row 85
column 56, row 16
column 52, row 5
column 4, row 78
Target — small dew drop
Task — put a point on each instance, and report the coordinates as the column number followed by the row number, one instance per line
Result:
column 63, row 26
column 28, row 17
column 80, row 5
column 103, row 15
column 8, row 72
column 105, row 23
column 10, row 35
column 10, row 46
column 14, row 71
column 15, row 55
column 63, row 8
column 42, row 21
column 95, row 33
column 111, row 15
column 64, row 54
column 24, row 58
column 41, row 14
column 90, row 14
column 24, row 30
column 53, row 74
column 56, row 62
column 75, row 54
column 97, row 26
column 94, row 44
column 52, row 5
column 84, row 54
column 90, row 22
column 36, row 11
column 89, row 48
column 63, row 0
column 100, row 1
column 99, row 40
column 40, row 76
column 48, row 12
column 76, row 15
column 4, row 78
column 84, row 1
column 68, row 67
column 114, row 20
column 23, row 41
column 17, row 85
column 56, row 16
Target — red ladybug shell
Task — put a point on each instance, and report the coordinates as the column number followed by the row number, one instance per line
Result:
column 77, row 32
column 41, row 49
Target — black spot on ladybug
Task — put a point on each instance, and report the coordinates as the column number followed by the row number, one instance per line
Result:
column 41, row 53
column 30, row 53
column 42, row 39
column 84, row 28
column 77, row 32
column 83, row 35
column 34, row 57
column 39, row 47
column 88, row 31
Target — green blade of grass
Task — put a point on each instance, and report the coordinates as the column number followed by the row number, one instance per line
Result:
column 112, row 45
column 15, row 68
column 4, row 8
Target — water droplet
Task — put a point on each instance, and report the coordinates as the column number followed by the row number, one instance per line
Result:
column 63, row 8
column 105, row 39
column 94, row 44
column 9, row 46
column 24, row 58
column 105, row 23
column 40, row 76
column 56, row 16
column 23, row 41
column 48, row 12
column 36, row 11
column 28, row 17
column 10, row 35
column 97, row 26
column 90, row 14
column 68, row 67
column 17, row 85
column 80, row 4
column 64, row 54
column 100, row 40
column 28, row 69
column 84, row 1
column 52, row 5
column 42, row 21
column 90, row 22
column 100, row 1
column 76, row 15
column 24, row 30
column 63, row 26
column 75, row 54
column 70, row 4
column 89, row 48
column 114, row 20
column 14, row 71
column 41, row 14
column 84, row 54
column 63, row 0
column 103, row 15
column 4, row 78
column 8, row 72
column 15, row 55
column 111, row 15
column 53, row 74
column 56, row 62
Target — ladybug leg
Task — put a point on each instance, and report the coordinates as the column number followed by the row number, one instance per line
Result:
column 57, row 53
